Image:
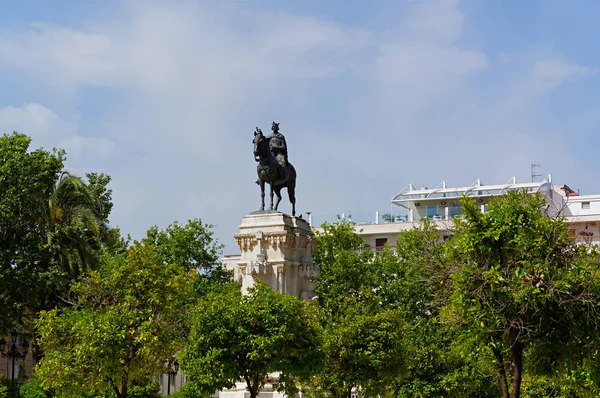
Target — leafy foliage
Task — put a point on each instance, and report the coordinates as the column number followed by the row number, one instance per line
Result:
column 364, row 340
column 4, row 388
column 237, row 337
column 32, row 389
column 98, row 186
column 345, row 265
column 364, row 352
column 127, row 320
column 519, row 286
column 51, row 226
column 25, row 177
column 71, row 220
column 442, row 362
column 193, row 247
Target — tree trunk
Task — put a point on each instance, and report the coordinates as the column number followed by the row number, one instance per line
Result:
column 124, row 385
column 254, row 391
column 252, row 385
column 501, row 372
column 516, row 352
column 114, row 387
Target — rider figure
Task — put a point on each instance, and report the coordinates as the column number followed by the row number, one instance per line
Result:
column 278, row 148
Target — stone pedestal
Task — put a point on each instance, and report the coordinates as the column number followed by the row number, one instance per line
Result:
column 277, row 249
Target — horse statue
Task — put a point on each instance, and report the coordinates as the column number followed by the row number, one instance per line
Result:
column 272, row 173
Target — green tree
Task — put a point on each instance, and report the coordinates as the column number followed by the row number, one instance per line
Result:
column 32, row 389
column 71, row 220
column 236, row 337
column 97, row 185
column 364, row 340
column 192, row 246
column 25, row 177
column 345, row 264
column 49, row 227
column 519, row 287
column 128, row 318
column 442, row 364
column 364, row 352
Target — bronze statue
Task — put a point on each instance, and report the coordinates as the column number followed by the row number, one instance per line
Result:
column 278, row 146
column 273, row 167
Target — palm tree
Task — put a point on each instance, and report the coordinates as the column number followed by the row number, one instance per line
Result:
column 71, row 219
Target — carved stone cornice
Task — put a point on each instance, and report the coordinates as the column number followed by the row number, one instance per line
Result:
column 247, row 241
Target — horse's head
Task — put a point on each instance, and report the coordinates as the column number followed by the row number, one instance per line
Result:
column 261, row 148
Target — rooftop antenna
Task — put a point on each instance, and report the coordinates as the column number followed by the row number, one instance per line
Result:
column 533, row 175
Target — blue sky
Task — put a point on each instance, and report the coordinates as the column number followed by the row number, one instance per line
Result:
column 371, row 95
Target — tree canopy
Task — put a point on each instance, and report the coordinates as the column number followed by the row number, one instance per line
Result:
column 25, row 178
column 519, row 283
column 364, row 343
column 247, row 337
column 193, row 247
column 126, row 322
column 517, row 295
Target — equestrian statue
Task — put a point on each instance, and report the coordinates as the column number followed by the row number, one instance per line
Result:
column 273, row 167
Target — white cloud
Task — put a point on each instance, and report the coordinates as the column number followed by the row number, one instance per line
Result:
column 48, row 130
column 409, row 62
column 34, row 118
column 438, row 21
column 554, row 72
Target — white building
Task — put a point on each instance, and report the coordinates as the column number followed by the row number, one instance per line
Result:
column 442, row 203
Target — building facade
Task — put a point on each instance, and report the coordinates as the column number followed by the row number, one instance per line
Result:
column 441, row 204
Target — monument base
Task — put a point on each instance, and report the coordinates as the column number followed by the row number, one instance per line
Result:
column 277, row 249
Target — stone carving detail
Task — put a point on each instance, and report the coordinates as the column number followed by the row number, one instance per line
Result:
column 258, row 267
column 276, row 249
column 240, row 271
column 308, row 271
column 280, row 240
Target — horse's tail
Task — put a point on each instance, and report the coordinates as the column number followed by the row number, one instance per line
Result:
column 291, row 184
column 291, row 181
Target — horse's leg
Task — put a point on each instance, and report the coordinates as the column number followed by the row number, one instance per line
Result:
column 278, row 193
column 262, row 195
column 271, row 193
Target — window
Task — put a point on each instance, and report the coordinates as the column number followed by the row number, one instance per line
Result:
column 380, row 243
column 432, row 211
column 585, row 205
column 455, row 209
